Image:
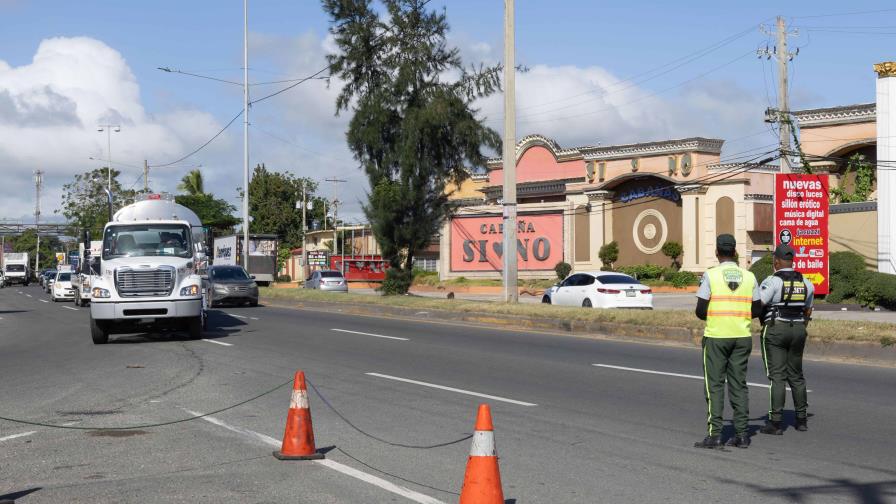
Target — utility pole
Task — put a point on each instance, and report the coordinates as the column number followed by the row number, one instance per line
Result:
column 781, row 115
column 38, row 182
column 145, row 176
column 336, row 183
column 245, row 248
column 304, row 231
column 511, row 294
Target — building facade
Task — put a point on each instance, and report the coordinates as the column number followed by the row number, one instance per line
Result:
column 572, row 201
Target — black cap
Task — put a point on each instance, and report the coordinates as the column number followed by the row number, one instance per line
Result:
column 784, row 252
column 726, row 242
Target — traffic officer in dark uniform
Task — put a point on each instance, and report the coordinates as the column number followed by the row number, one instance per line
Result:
column 786, row 309
column 728, row 300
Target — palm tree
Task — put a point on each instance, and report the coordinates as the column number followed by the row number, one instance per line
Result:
column 192, row 183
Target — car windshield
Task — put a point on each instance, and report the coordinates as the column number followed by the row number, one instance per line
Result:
column 330, row 274
column 64, row 277
column 616, row 279
column 50, row 273
column 141, row 240
column 231, row 273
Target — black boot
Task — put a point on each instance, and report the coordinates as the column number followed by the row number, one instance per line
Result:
column 740, row 441
column 710, row 442
column 773, row 428
column 801, row 424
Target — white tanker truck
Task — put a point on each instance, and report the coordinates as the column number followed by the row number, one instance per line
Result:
column 152, row 252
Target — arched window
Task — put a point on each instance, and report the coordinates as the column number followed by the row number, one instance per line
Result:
column 724, row 216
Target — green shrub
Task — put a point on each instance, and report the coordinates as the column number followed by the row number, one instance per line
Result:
column 877, row 289
column 682, row 279
column 848, row 273
column 673, row 250
column 763, row 268
column 284, row 278
column 562, row 269
column 644, row 271
column 397, row 282
column 609, row 253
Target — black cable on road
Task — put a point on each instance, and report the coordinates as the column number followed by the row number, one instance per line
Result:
column 375, row 438
column 146, row 426
column 365, row 464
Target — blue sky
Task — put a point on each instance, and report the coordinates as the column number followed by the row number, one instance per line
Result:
column 578, row 52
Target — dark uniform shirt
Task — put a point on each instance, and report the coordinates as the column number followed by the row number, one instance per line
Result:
column 772, row 292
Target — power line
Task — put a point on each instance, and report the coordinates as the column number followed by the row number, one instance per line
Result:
column 853, row 13
column 210, row 140
column 172, row 70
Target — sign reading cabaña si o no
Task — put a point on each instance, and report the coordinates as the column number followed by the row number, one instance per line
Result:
column 477, row 243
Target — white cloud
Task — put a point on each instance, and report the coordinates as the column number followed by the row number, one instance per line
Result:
column 50, row 109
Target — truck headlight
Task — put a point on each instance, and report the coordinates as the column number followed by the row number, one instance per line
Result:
column 191, row 290
column 100, row 293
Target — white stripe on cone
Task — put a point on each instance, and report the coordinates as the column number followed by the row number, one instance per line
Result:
column 483, row 444
column 299, row 399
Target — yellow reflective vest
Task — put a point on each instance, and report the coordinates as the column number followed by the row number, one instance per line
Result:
column 729, row 315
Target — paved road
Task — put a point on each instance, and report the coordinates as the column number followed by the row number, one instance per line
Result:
column 567, row 430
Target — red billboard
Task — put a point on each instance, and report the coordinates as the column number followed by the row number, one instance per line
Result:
column 477, row 243
column 801, row 221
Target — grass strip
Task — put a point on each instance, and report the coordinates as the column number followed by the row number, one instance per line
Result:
column 819, row 330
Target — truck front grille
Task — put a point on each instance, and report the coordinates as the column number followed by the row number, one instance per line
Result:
column 147, row 282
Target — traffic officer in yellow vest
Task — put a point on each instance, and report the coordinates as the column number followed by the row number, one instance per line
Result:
column 786, row 308
column 728, row 300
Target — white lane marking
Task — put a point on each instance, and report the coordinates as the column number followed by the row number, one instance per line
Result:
column 217, row 342
column 370, row 334
column 452, row 389
column 336, row 466
column 21, row 434
column 679, row 375
column 237, row 316
column 20, row 292
column 44, row 301
column 29, row 295
column 254, row 318
column 70, row 308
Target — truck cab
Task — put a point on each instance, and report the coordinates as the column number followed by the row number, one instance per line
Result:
column 147, row 274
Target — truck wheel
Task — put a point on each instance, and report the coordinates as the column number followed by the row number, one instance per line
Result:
column 99, row 332
column 194, row 327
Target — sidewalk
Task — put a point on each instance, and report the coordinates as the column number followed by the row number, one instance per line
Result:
column 676, row 301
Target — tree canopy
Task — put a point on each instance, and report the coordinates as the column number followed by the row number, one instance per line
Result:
column 84, row 201
column 272, row 204
column 192, row 183
column 413, row 127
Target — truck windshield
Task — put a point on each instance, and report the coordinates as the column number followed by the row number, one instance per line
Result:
column 139, row 240
column 15, row 268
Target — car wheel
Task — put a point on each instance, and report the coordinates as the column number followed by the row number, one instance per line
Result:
column 253, row 303
column 98, row 332
column 586, row 303
column 546, row 300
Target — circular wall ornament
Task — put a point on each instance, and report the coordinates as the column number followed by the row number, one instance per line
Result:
column 686, row 164
column 635, row 164
column 649, row 230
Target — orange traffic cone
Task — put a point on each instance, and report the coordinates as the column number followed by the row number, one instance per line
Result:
column 482, row 481
column 298, row 440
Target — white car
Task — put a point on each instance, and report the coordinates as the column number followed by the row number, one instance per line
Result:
column 61, row 288
column 600, row 289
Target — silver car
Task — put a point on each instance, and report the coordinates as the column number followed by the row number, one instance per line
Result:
column 226, row 284
column 327, row 280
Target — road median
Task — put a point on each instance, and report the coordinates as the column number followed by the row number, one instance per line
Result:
column 840, row 340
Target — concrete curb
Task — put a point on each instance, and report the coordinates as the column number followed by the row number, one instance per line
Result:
column 853, row 352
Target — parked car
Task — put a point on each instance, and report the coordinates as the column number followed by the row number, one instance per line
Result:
column 230, row 284
column 600, row 289
column 61, row 288
column 327, row 280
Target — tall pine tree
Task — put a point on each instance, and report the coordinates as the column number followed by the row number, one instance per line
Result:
column 414, row 127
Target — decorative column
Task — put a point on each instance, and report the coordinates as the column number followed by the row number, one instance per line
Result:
column 599, row 202
column 886, row 178
column 691, row 229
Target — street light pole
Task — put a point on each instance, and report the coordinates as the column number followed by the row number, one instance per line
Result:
column 108, row 128
column 245, row 248
column 511, row 294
